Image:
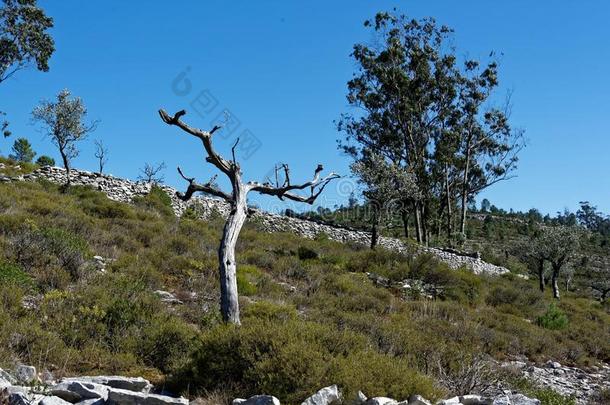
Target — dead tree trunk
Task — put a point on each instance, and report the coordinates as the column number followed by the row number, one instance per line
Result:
column 227, row 263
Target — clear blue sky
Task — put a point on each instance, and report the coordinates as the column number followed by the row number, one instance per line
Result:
column 281, row 67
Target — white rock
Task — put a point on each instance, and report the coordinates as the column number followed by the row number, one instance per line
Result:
column 53, row 400
column 360, row 398
column 18, row 398
column 381, row 401
column 257, row 400
column 74, row 391
column 97, row 401
column 7, row 377
column 515, row 399
column 117, row 396
column 553, row 364
column 324, row 396
column 418, row 400
column 137, row 384
column 25, row 374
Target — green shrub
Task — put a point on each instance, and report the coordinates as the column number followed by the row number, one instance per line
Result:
column 554, row 318
column 269, row 311
column 306, row 253
column 45, row 160
column 11, row 274
column 156, row 199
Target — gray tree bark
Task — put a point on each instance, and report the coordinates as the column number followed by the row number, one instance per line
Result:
column 227, row 263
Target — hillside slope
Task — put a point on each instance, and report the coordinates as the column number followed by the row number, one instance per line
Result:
column 89, row 286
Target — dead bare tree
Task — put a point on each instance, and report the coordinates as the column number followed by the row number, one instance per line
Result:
column 101, row 154
column 151, row 173
column 237, row 198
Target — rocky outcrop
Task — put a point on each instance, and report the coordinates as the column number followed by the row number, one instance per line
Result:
column 124, row 191
column 568, row 381
column 97, row 390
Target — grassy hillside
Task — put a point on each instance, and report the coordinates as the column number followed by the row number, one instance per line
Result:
column 311, row 316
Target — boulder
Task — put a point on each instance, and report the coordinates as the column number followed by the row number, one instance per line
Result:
column 360, row 398
column 96, row 401
column 25, row 374
column 7, row 377
column 75, row 391
column 137, row 384
column 117, row 396
column 257, row 400
column 468, row 400
column 381, row 401
column 515, row 399
column 418, row 400
column 324, row 396
column 553, row 364
column 53, row 400
column 18, row 398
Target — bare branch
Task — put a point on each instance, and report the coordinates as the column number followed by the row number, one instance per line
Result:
column 233, row 151
column 208, row 188
column 206, row 138
column 316, row 186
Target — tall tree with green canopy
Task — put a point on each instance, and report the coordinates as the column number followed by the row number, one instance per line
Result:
column 403, row 92
column 24, row 40
column 488, row 144
column 63, row 121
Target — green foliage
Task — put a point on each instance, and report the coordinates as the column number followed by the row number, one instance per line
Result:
column 24, row 37
column 293, row 359
column 45, row 160
column 310, row 321
column 554, row 318
column 22, row 151
column 156, row 199
column 11, row 274
column 306, row 253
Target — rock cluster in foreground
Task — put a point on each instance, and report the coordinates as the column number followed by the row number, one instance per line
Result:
column 26, row 387
column 328, row 396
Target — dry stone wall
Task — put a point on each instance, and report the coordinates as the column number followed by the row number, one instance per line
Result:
column 125, row 190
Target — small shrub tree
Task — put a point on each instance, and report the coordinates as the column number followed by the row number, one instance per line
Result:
column 22, row 151
column 45, row 160
column 553, row 318
column 63, row 121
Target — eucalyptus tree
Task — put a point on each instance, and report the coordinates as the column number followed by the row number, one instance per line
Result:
column 24, row 40
column 402, row 90
column 386, row 185
column 237, row 198
column 63, row 121
column 489, row 146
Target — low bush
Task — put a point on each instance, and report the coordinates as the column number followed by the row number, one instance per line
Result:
column 293, row 359
column 554, row 318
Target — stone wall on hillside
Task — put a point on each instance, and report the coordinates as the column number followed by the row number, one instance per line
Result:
column 125, row 190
